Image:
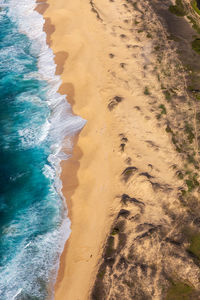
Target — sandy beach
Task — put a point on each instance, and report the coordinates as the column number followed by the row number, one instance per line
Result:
column 90, row 176
column 125, row 161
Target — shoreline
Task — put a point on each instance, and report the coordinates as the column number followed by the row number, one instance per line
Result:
column 71, row 165
column 81, row 255
column 85, row 177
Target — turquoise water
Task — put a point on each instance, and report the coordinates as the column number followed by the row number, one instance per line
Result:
column 34, row 119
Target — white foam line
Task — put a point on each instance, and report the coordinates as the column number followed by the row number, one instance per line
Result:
column 61, row 123
column 19, row 291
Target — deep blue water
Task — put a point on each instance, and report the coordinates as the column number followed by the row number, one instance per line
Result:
column 32, row 214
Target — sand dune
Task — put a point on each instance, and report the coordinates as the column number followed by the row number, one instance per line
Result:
column 122, row 72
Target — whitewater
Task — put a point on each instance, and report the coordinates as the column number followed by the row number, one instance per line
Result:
column 36, row 127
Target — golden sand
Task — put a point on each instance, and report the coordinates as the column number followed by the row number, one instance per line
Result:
column 105, row 68
column 89, row 177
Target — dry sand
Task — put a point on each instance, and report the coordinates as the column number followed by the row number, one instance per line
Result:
column 108, row 72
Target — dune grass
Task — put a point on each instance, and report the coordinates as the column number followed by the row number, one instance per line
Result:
column 196, row 45
column 179, row 291
column 178, row 9
column 163, row 109
column 195, row 26
column 195, row 7
column 146, row 91
column 189, row 132
column 194, row 247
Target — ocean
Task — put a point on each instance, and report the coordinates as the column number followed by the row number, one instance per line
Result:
column 36, row 126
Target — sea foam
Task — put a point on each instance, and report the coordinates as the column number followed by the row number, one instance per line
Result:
column 63, row 122
column 59, row 124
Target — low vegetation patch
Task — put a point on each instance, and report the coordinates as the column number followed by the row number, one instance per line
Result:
column 180, row 175
column 189, row 132
column 163, row 109
column 178, row 9
column 196, row 45
column 195, row 6
column 179, row 291
column 193, row 238
column 197, row 96
column 146, row 91
column 192, row 182
column 98, row 290
column 191, row 160
column 109, row 251
column 194, row 24
column 190, row 185
column 149, row 35
column 194, row 247
column 168, row 129
column 167, row 95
